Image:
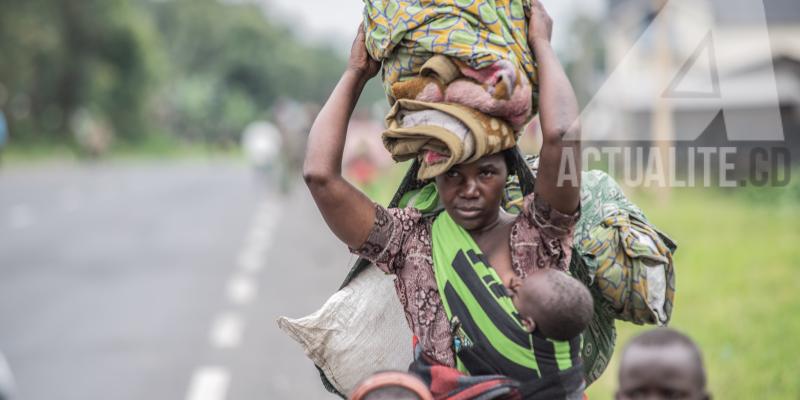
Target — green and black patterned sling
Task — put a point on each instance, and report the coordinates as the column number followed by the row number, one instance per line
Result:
column 490, row 338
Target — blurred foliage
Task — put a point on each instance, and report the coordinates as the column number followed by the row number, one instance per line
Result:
column 196, row 70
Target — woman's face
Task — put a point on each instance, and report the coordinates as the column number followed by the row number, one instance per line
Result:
column 472, row 193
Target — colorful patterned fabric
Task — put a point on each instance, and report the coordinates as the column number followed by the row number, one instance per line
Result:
column 449, row 383
column 432, row 130
column 487, row 330
column 625, row 261
column 404, row 34
column 500, row 90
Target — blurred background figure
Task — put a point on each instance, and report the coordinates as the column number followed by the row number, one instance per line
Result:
column 293, row 119
column 391, row 385
column 6, row 380
column 92, row 135
column 262, row 144
column 662, row 364
column 365, row 160
column 3, row 134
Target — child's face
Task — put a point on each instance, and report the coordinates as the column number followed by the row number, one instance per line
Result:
column 522, row 295
column 653, row 372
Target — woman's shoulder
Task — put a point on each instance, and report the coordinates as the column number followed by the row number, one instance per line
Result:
column 403, row 214
column 408, row 221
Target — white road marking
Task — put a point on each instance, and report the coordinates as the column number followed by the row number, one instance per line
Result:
column 21, row 216
column 241, row 290
column 253, row 253
column 227, row 331
column 209, row 383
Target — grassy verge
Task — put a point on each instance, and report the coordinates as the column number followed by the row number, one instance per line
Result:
column 736, row 293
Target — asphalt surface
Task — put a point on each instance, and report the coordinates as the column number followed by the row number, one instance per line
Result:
column 159, row 281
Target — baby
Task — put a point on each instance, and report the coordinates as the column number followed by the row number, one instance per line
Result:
column 553, row 302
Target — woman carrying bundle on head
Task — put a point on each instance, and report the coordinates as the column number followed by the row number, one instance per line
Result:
column 462, row 82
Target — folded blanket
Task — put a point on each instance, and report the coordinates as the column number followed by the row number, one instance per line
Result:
column 443, row 135
column 499, row 90
column 404, row 34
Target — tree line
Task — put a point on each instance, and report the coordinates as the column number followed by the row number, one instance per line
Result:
column 199, row 70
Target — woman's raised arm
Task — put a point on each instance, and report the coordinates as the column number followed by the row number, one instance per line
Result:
column 349, row 213
column 558, row 115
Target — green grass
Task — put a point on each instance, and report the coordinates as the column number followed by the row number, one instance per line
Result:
column 738, row 293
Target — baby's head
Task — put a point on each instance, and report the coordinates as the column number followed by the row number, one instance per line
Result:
column 662, row 364
column 553, row 302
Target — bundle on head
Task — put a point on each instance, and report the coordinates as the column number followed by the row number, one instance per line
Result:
column 459, row 75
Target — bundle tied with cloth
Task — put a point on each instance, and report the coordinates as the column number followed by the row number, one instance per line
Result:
column 459, row 76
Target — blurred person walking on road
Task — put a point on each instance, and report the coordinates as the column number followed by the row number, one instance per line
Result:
column 262, row 145
column 3, row 134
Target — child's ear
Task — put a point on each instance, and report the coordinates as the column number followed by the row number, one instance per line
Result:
column 514, row 284
column 529, row 324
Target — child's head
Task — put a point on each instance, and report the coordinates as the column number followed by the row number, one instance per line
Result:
column 662, row 364
column 553, row 302
column 391, row 385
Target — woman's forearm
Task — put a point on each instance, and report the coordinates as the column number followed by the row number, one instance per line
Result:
column 327, row 136
column 558, row 107
column 560, row 162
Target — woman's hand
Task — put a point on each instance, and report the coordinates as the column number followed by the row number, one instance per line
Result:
column 540, row 25
column 360, row 61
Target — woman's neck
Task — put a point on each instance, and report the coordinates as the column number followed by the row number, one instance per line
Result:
column 501, row 217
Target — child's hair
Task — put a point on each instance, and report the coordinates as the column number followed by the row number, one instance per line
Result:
column 391, row 393
column 664, row 337
column 565, row 309
column 391, row 385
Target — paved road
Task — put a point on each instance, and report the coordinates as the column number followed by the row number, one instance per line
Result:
column 158, row 281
